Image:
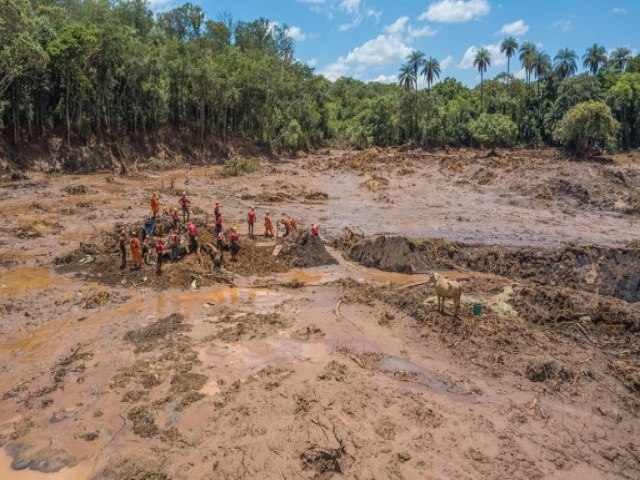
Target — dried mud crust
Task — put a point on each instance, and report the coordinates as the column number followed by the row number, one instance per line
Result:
column 284, row 192
column 247, row 326
column 604, row 270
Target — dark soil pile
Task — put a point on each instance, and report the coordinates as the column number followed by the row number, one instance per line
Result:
column 603, row 270
column 303, row 250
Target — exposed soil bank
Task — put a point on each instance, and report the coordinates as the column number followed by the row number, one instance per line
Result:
column 603, row 270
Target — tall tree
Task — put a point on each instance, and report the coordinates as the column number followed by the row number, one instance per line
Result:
column 406, row 78
column 416, row 59
column 541, row 67
column 430, row 71
column 594, row 58
column 509, row 47
column 619, row 58
column 482, row 61
column 565, row 63
column 528, row 53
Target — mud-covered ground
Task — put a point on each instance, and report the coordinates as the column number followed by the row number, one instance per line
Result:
column 271, row 368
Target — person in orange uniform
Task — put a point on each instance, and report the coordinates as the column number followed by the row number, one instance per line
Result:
column 293, row 224
column 136, row 251
column 268, row 226
column 155, row 206
column 286, row 223
column 251, row 220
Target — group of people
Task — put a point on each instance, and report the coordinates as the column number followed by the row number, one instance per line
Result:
column 141, row 246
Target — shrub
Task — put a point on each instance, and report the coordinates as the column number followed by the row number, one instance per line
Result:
column 587, row 127
column 492, row 130
column 167, row 163
column 237, row 165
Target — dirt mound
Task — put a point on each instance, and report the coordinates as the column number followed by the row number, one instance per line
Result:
column 250, row 325
column 76, row 190
column 153, row 335
column 285, row 192
column 303, row 250
column 375, row 183
column 132, row 467
column 392, row 254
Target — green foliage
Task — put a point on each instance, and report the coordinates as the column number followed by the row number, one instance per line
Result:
column 587, row 127
column 494, row 130
column 165, row 163
column 236, row 166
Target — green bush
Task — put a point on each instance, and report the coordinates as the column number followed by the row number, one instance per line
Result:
column 235, row 166
column 160, row 164
column 493, row 130
column 587, row 127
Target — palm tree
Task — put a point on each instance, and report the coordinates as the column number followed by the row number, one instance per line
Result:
column 565, row 63
column 594, row 58
column 509, row 47
column 528, row 54
column 482, row 61
column 416, row 59
column 541, row 67
column 406, row 77
column 619, row 58
column 430, row 71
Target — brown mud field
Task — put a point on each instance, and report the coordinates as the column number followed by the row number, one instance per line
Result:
column 321, row 359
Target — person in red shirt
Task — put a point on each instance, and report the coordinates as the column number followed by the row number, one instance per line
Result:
column 315, row 231
column 235, row 246
column 251, row 220
column 193, row 244
column 218, row 223
column 185, row 202
column 175, row 218
column 122, row 245
column 268, row 226
column 216, row 210
column 159, row 254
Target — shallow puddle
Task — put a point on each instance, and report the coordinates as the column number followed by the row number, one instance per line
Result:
column 79, row 472
column 26, row 279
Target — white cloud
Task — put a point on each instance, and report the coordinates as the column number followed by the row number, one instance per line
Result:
column 619, row 11
column 375, row 14
column 385, row 79
column 398, row 26
column 497, row 58
column 296, row 33
column 563, row 24
column 350, row 6
column 354, row 23
column 160, row 6
column 387, row 48
column 425, row 31
column 445, row 62
column 454, row 11
column 517, row 28
column 312, row 62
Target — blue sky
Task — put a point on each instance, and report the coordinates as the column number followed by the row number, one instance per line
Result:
column 368, row 39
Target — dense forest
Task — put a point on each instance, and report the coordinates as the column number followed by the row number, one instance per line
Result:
column 92, row 70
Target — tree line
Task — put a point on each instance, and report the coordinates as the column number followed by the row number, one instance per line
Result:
column 95, row 70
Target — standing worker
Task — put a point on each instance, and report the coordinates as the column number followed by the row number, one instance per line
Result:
column 146, row 249
column 155, row 206
column 159, row 253
column 193, row 244
column 136, row 251
column 235, row 246
column 174, row 244
column 219, row 223
column 268, row 226
column 251, row 220
column 220, row 244
column 175, row 218
column 185, row 202
column 293, row 224
column 122, row 241
column 216, row 210
column 287, row 225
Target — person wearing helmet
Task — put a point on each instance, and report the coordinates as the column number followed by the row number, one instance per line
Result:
column 122, row 242
column 159, row 254
column 251, row 220
column 136, row 251
column 155, row 205
column 218, row 223
column 185, row 202
column 193, row 244
column 268, row 226
column 174, row 245
column 175, row 218
column 235, row 246
column 286, row 223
